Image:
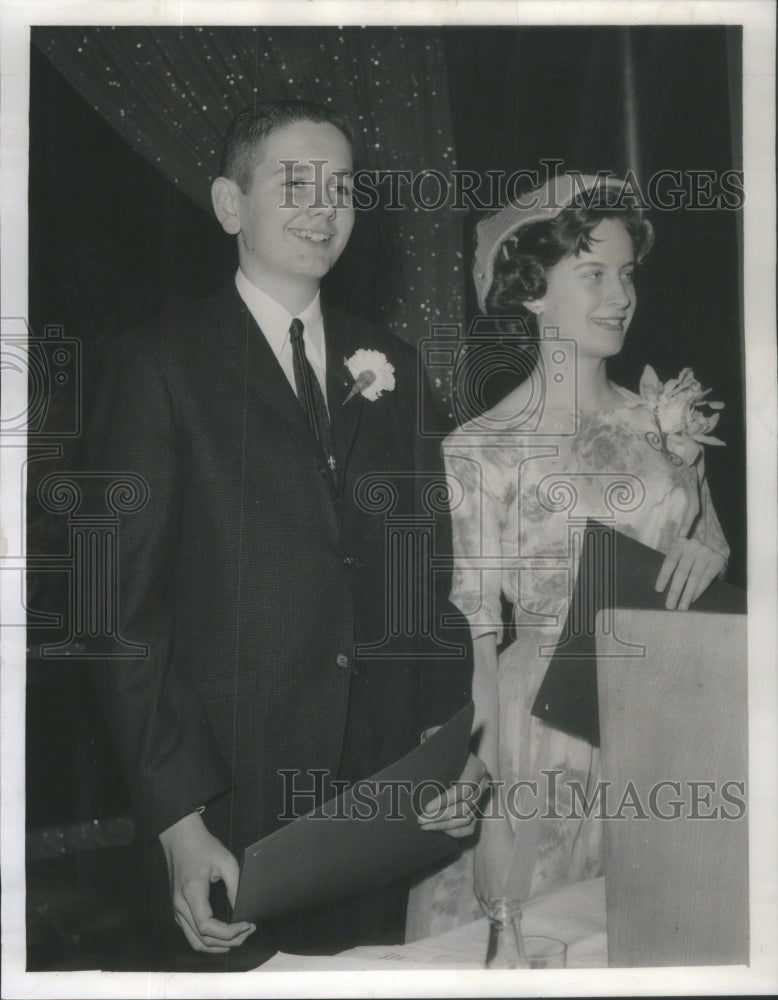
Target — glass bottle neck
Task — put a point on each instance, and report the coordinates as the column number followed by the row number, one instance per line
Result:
column 506, row 947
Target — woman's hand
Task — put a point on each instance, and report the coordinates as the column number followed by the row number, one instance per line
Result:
column 690, row 567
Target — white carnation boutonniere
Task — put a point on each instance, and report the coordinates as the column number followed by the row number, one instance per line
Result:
column 679, row 409
column 371, row 372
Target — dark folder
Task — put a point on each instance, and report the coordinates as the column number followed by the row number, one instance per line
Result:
column 615, row 571
column 366, row 837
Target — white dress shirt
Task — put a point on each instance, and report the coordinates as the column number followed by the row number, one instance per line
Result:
column 274, row 322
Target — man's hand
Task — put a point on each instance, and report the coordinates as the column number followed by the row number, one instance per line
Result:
column 690, row 566
column 454, row 812
column 195, row 859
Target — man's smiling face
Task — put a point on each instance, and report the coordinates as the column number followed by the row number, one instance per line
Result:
column 295, row 221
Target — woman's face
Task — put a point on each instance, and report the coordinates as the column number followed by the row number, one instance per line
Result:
column 590, row 297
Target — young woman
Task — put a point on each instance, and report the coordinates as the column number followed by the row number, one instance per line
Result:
column 566, row 444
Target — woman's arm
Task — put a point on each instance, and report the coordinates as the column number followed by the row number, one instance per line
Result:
column 493, row 867
column 476, row 532
column 692, row 564
column 486, row 721
column 477, row 518
column 708, row 529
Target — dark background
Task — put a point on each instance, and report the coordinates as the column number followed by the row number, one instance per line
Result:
column 112, row 242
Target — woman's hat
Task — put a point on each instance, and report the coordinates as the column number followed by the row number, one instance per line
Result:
column 544, row 202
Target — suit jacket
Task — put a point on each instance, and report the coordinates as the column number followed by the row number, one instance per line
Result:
column 250, row 574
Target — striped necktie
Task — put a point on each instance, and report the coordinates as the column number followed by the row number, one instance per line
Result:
column 309, row 393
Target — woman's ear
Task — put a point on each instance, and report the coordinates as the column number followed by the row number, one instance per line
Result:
column 225, row 198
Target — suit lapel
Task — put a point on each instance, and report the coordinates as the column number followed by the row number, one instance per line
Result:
column 248, row 354
column 341, row 340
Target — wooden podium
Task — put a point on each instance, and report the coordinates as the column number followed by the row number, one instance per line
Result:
column 676, row 888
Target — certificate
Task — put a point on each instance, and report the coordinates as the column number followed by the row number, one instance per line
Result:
column 364, row 838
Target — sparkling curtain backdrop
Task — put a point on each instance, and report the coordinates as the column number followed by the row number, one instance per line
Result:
column 170, row 93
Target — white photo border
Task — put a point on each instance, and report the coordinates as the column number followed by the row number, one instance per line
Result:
column 758, row 20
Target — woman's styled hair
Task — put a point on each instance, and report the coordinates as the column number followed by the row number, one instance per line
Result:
column 523, row 258
column 249, row 127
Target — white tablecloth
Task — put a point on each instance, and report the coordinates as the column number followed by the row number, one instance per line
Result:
column 575, row 914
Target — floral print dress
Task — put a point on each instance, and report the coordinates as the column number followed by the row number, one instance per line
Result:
column 517, row 494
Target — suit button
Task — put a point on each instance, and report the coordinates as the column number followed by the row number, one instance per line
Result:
column 342, row 660
column 348, row 560
column 322, row 470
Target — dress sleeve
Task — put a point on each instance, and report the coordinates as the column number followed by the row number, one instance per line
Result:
column 478, row 517
column 707, row 529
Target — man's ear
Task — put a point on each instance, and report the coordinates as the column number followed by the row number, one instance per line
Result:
column 224, row 195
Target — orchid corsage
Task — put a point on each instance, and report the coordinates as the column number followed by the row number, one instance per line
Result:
column 677, row 407
column 371, row 372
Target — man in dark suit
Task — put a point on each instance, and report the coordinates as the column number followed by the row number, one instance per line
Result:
column 255, row 569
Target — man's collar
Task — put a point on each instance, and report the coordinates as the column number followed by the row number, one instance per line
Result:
column 252, row 294
column 273, row 318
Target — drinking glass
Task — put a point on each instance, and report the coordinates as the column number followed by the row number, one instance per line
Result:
column 545, row 952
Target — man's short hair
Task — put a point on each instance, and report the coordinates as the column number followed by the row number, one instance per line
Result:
column 249, row 127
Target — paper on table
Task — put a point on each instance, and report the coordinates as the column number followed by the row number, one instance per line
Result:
column 574, row 914
column 362, row 839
